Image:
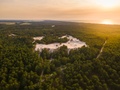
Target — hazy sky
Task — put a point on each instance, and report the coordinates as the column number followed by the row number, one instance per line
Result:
column 90, row 10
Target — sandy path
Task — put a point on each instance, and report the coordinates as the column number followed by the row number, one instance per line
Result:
column 101, row 50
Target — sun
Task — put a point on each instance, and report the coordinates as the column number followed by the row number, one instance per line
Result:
column 107, row 22
column 107, row 3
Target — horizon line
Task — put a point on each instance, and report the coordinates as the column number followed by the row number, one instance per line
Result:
column 74, row 21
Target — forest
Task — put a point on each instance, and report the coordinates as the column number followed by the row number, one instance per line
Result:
column 86, row 68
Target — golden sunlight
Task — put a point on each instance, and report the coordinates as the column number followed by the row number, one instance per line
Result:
column 107, row 3
column 106, row 22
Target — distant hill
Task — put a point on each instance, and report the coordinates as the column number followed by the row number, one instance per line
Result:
column 44, row 22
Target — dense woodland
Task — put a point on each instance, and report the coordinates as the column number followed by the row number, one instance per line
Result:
column 23, row 68
column 51, row 39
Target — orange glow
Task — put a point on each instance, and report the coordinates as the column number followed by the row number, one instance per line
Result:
column 91, row 11
column 107, row 22
column 107, row 3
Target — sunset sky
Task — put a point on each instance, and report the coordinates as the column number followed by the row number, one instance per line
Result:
column 78, row 10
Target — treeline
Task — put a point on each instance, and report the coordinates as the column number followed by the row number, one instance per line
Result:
column 51, row 39
column 22, row 68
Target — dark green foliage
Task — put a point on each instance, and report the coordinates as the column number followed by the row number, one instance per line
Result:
column 22, row 68
column 52, row 39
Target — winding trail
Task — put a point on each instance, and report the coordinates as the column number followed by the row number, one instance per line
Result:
column 42, row 73
column 101, row 50
column 42, row 80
